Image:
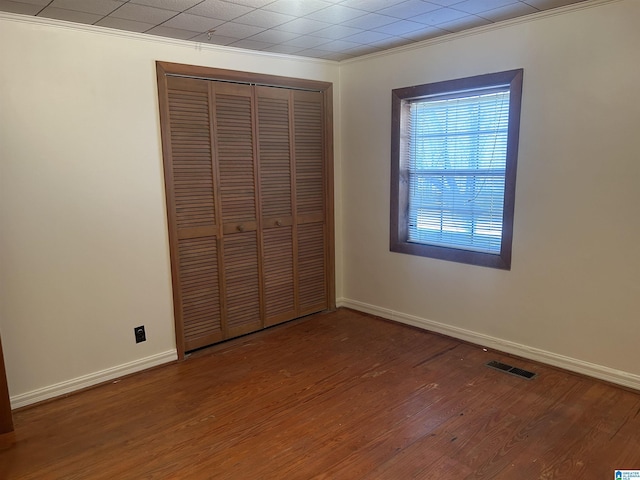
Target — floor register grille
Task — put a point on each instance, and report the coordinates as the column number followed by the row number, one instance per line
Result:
column 518, row 372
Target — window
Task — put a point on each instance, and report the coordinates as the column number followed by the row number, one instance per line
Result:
column 453, row 151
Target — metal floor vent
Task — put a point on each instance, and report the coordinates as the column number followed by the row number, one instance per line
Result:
column 512, row 370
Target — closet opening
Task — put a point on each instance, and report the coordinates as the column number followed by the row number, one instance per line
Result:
column 248, row 169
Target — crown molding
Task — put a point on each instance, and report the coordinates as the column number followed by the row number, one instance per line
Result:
column 534, row 17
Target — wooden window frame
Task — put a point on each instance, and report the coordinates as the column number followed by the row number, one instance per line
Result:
column 400, row 182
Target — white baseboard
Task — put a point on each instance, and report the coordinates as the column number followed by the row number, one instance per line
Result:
column 91, row 379
column 601, row 372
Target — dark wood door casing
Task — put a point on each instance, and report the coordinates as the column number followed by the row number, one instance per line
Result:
column 248, row 175
column 6, row 419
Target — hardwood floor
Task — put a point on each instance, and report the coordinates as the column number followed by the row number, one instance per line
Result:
column 334, row 396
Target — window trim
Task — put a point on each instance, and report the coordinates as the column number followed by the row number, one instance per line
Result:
column 400, row 181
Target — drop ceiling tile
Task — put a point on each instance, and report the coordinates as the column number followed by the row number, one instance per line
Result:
column 317, row 53
column 253, row 3
column 393, row 42
column 169, row 32
column 249, row 44
column 478, row 6
column 339, row 46
column 296, row 7
column 35, row 2
column 274, row 36
column 219, row 9
column 369, row 21
column 237, row 30
column 303, row 26
column 122, row 24
column 214, row 39
column 270, row 24
column 464, row 23
column 336, row 32
column 408, row 9
column 339, row 56
column 264, row 19
column 439, row 16
column 368, row 37
column 17, row 7
column 286, row 49
column 365, row 50
column 548, row 4
column 446, row 3
column 400, row 27
column 510, row 11
column 99, row 7
column 370, row 5
column 194, row 23
column 335, row 14
column 70, row 15
column 426, row 33
column 142, row 13
column 370, row 49
column 306, row 41
column 174, row 5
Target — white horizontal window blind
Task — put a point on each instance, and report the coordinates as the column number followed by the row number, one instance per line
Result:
column 457, row 148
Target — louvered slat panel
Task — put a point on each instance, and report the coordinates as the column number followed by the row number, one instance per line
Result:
column 310, row 201
column 191, row 153
column 279, row 282
column 274, row 152
column 310, row 197
column 242, row 282
column 231, row 156
column 312, row 288
column 235, row 153
column 200, row 293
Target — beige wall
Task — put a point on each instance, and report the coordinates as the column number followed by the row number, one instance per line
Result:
column 574, row 287
column 83, row 247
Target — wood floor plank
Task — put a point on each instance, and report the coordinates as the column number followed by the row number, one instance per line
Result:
column 333, row 396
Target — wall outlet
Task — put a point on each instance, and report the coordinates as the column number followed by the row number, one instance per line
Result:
column 140, row 335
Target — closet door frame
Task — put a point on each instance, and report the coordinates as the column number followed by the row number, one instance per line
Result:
column 168, row 69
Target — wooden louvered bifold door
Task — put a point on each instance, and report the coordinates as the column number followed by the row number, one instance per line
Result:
column 310, row 201
column 276, row 194
column 235, row 154
column 248, row 201
column 193, row 213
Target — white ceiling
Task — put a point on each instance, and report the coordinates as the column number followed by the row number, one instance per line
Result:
column 328, row 29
